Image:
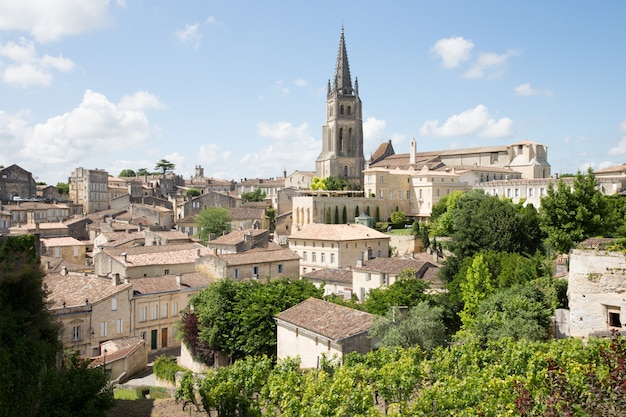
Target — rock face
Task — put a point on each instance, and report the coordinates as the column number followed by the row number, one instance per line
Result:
column 596, row 292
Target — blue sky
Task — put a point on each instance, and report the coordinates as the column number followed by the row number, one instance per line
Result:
column 240, row 87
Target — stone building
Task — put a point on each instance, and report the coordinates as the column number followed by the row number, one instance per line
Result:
column 342, row 135
column 89, row 187
column 16, row 182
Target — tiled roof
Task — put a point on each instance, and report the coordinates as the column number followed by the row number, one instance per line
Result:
column 327, row 319
column 74, row 289
column 337, row 232
column 62, row 241
column 237, row 236
column 167, row 283
column 158, row 254
column 392, row 265
column 330, row 275
column 260, row 255
column 245, row 213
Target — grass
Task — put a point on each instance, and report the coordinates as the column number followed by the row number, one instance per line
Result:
column 125, row 394
column 400, row 231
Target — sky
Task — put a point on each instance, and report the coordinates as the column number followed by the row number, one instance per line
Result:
column 239, row 87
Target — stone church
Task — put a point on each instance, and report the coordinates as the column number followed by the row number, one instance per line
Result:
column 342, row 135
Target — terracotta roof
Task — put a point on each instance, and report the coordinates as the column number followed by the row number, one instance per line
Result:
column 167, row 283
column 393, row 265
column 337, row 232
column 330, row 275
column 74, row 289
column 260, row 255
column 62, row 241
column 237, row 236
column 330, row 320
column 158, row 254
column 245, row 213
column 118, row 349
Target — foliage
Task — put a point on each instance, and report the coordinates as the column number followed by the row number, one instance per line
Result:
column 253, row 196
column 165, row 367
column 238, row 317
column 405, row 291
column 318, row 183
column 398, row 217
column 336, row 183
column 127, row 173
column 569, row 216
column 422, row 325
column 142, row 172
column 165, row 166
column 344, row 215
column 328, row 218
column 442, row 213
column 356, row 212
column 336, row 215
column 213, row 220
column 377, row 215
column 63, row 188
column 192, row 192
column 188, row 333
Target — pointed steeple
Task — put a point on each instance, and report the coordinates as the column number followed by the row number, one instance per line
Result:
column 343, row 82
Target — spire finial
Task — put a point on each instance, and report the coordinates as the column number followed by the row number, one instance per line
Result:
column 343, row 82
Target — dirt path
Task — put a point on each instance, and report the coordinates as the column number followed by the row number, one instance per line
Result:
column 152, row 408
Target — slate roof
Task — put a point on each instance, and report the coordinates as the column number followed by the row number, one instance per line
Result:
column 336, row 232
column 330, row 320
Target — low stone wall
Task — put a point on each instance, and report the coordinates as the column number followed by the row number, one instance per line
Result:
column 187, row 361
column 404, row 244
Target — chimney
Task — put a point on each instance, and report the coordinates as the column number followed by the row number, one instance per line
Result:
column 124, row 259
column 359, row 263
column 116, row 280
column 413, row 153
column 197, row 252
column 179, row 280
column 64, row 270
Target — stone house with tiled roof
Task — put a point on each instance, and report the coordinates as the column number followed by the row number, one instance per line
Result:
column 272, row 262
column 148, row 261
column 67, row 248
column 239, row 241
column 122, row 358
column 249, row 217
column 113, row 240
column 42, row 229
column 316, row 328
column 90, row 309
column 334, row 281
column 336, row 245
column 15, row 181
column 382, row 272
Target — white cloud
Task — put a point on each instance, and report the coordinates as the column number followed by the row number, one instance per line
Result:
column 212, row 21
column 212, row 153
column 52, row 20
column 191, row 34
column 452, row 51
column 373, row 134
column 300, row 82
column 620, row 148
column 526, row 90
column 472, row 122
column 25, row 68
column 96, row 128
column 489, row 64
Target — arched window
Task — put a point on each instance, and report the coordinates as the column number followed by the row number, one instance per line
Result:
column 349, row 109
column 341, row 109
column 345, row 170
column 341, row 138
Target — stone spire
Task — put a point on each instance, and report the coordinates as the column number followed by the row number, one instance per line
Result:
column 343, row 82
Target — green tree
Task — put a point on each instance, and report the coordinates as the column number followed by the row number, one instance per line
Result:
column 344, row 215
column 356, row 212
column 421, row 325
column 569, row 216
column 126, row 173
column 405, row 291
column 253, row 196
column 336, row 183
column 377, row 215
column 213, row 220
column 398, row 217
column 63, row 187
column 476, row 287
column 142, row 172
column 328, row 218
column 336, row 215
column 192, row 192
column 318, row 183
column 165, row 166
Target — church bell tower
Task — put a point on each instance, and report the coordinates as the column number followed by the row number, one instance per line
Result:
column 342, row 135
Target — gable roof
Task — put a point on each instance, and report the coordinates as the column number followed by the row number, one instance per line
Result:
column 74, row 289
column 330, row 320
column 395, row 265
column 169, row 283
column 337, row 232
column 260, row 255
column 158, row 254
column 330, row 275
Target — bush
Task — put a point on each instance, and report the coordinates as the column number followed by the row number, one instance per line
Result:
column 165, row 367
column 142, row 391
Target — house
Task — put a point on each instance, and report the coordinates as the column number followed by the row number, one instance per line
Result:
column 336, row 245
column 149, row 261
column 239, row 241
column 300, row 180
column 42, row 229
column 157, row 302
column 249, row 216
column 67, row 248
column 122, row 358
column 334, row 281
column 210, row 198
column 90, row 188
column 316, row 328
column 89, row 309
column 595, row 289
column 38, row 212
column 112, row 240
column 272, row 262
column 382, row 272
column 165, row 237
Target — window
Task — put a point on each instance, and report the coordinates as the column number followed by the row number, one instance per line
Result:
column 313, row 257
column 175, row 308
column 76, row 333
column 57, row 252
column 517, row 192
column 531, row 192
column 508, row 193
column 383, row 279
column 279, row 268
column 255, row 271
column 382, row 194
column 165, row 310
column 120, row 326
column 332, row 258
column 113, row 304
column 75, row 251
column 143, row 313
column 166, row 272
column 368, row 276
column 103, row 328
column 304, row 256
column 613, row 316
column 143, row 335
column 408, row 194
column 236, row 273
column 542, row 192
column 323, row 257
column 154, row 312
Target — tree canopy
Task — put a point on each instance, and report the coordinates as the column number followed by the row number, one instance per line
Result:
column 63, row 187
column 253, row 196
column 192, row 192
column 127, row 173
column 165, row 166
column 213, row 220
